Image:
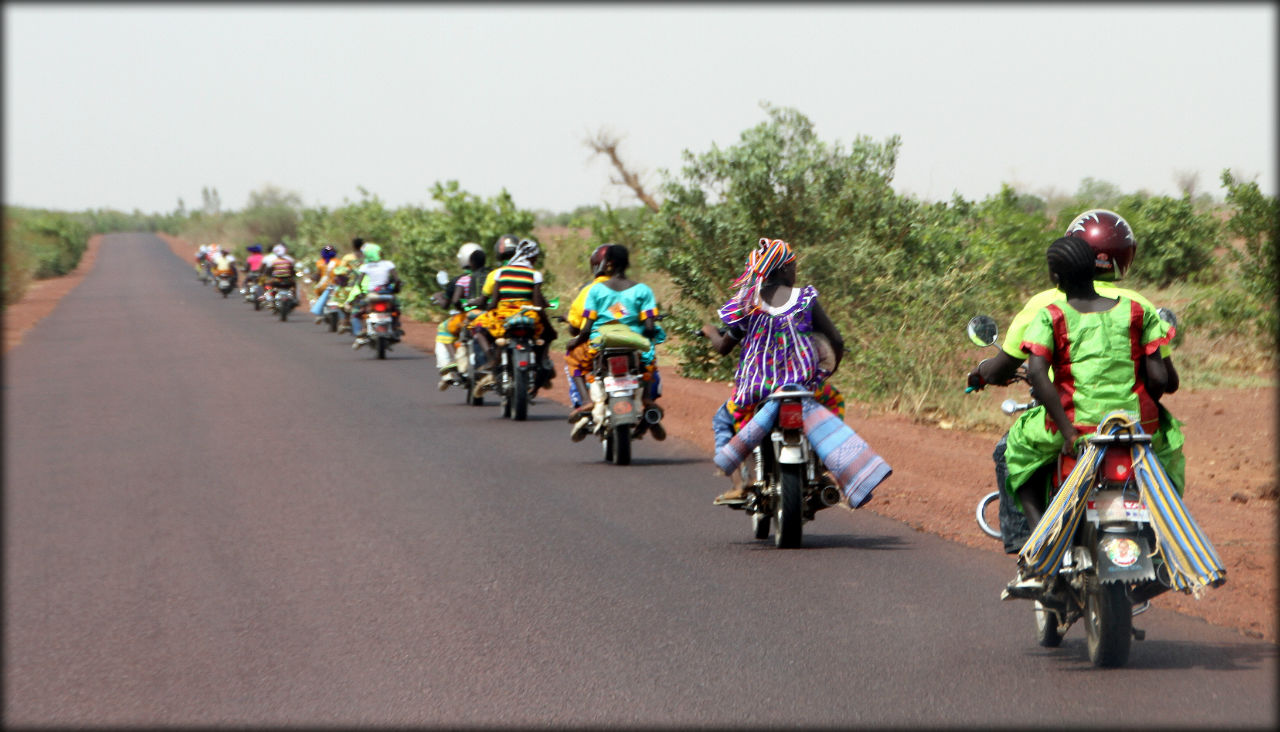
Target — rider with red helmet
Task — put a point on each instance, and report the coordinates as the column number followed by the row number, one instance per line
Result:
column 1114, row 247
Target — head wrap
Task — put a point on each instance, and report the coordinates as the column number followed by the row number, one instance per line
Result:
column 372, row 252
column 278, row 250
column 255, row 248
column 769, row 256
column 526, row 251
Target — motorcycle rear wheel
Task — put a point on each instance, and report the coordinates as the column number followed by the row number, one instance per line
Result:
column 790, row 506
column 333, row 322
column 520, row 395
column 622, row 445
column 1108, row 618
column 382, row 347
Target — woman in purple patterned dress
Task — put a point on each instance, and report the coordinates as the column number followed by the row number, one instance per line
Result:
column 777, row 324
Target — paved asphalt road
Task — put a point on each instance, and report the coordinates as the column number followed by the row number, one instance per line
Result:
column 212, row 517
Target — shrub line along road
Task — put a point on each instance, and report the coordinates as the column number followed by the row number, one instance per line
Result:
column 213, row 517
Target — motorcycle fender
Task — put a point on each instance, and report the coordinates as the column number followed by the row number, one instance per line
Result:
column 622, row 411
column 790, row 454
column 1123, row 556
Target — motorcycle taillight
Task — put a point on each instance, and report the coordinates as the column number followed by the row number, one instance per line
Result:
column 618, row 365
column 379, row 307
column 1117, row 465
column 791, row 415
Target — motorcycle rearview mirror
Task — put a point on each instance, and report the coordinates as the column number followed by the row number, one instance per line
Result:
column 442, row 278
column 982, row 330
column 1167, row 316
column 553, row 303
column 1010, row 406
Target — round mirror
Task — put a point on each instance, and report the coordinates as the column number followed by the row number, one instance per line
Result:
column 982, row 330
column 1167, row 316
column 1010, row 406
column 442, row 278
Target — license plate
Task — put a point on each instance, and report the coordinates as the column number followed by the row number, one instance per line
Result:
column 379, row 318
column 619, row 383
column 1116, row 509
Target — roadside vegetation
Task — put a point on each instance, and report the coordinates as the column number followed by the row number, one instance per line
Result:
column 899, row 275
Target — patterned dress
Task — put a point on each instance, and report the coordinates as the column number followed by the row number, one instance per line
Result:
column 776, row 350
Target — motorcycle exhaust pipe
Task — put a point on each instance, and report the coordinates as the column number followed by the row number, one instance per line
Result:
column 652, row 416
column 830, row 495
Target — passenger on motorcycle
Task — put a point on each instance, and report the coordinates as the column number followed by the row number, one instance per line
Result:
column 280, row 271
column 325, row 264
column 253, row 262
column 618, row 302
column 375, row 275
column 510, row 288
column 778, row 325
column 577, row 361
column 224, row 263
column 1098, row 345
column 464, row 287
column 344, row 275
column 1114, row 248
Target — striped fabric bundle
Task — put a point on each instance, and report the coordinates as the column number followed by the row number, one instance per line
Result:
column 1190, row 561
column 855, row 466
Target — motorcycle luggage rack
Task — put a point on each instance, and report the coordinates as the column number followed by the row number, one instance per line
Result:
column 1120, row 437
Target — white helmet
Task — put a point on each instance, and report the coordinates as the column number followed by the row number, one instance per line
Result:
column 465, row 252
column 278, row 250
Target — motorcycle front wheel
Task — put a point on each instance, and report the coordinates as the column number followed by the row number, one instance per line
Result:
column 790, row 506
column 1047, row 634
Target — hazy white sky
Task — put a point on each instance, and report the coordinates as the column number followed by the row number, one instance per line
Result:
column 129, row 107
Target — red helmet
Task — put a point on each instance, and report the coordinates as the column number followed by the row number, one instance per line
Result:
column 1110, row 238
column 597, row 257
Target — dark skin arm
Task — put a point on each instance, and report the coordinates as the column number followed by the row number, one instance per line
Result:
column 999, row 370
column 1038, row 375
column 822, row 324
column 721, row 342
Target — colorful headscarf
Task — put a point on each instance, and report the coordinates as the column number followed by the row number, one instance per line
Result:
column 768, row 257
column 526, row 251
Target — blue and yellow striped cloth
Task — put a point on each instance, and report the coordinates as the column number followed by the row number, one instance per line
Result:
column 1190, row 562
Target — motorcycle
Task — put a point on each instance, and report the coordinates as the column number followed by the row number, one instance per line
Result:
column 619, row 415
column 1110, row 571
column 786, row 482
column 469, row 357
column 378, row 309
column 252, row 290
column 283, row 301
column 518, row 365
column 225, row 284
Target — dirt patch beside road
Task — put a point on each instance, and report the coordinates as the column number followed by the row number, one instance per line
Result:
column 43, row 296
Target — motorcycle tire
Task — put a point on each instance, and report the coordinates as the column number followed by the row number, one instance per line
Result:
column 622, row 445
column 1108, row 620
column 760, row 525
column 333, row 322
column 1047, row 634
column 382, row 347
column 606, row 446
column 284, row 314
column 504, row 389
column 790, row 507
column 988, row 509
column 473, row 376
column 224, row 294
column 520, row 395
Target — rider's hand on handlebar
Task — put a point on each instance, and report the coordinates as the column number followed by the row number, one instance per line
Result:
column 975, row 382
column 1069, row 438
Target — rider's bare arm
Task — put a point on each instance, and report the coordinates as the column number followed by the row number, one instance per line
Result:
column 999, row 370
column 822, row 323
column 721, row 342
